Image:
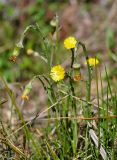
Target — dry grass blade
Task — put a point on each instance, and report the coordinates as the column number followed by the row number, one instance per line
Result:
column 13, row 147
column 95, row 140
column 39, row 115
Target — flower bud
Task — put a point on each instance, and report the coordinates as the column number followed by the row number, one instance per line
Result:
column 27, row 90
column 76, row 72
column 15, row 53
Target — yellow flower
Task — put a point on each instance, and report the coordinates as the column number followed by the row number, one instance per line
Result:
column 57, row 73
column 70, row 43
column 92, row 61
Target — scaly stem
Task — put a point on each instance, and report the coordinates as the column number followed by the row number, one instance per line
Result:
column 89, row 71
column 88, row 83
column 72, row 58
column 96, row 74
column 74, row 122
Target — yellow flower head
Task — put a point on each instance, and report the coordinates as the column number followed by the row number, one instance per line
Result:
column 57, row 73
column 70, row 43
column 92, row 61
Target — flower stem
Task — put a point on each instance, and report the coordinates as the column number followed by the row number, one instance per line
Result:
column 72, row 58
column 89, row 75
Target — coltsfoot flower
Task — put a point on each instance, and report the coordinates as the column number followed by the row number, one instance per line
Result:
column 57, row 73
column 92, row 62
column 70, row 42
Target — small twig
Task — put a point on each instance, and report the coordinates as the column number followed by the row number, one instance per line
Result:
column 80, row 118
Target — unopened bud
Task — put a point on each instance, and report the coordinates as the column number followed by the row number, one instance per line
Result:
column 27, row 90
column 30, row 51
column 76, row 72
column 15, row 53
